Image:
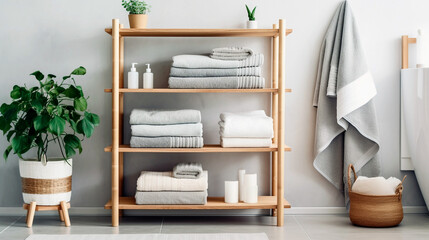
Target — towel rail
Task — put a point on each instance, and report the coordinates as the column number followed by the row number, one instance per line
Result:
column 405, row 42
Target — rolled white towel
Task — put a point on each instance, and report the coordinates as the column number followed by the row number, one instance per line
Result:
column 254, row 124
column 375, row 185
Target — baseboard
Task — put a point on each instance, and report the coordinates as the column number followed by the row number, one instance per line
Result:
column 98, row 211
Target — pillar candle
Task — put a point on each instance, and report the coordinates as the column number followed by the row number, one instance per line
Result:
column 231, row 191
column 241, row 173
column 251, row 194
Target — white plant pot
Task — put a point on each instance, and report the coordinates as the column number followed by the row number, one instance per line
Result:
column 46, row 185
column 252, row 24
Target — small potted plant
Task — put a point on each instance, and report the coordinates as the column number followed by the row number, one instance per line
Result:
column 53, row 113
column 252, row 23
column 137, row 12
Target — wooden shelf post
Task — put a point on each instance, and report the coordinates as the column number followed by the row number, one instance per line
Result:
column 274, row 114
column 115, row 122
column 281, row 124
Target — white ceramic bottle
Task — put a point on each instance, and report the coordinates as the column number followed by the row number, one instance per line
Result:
column 148, row 78
column 133, row 77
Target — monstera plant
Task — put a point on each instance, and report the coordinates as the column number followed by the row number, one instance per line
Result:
column 52, row 113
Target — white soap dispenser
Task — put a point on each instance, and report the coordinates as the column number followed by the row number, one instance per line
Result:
column 148, row 78
column 133, row 77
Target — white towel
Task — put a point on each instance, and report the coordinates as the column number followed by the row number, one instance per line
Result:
column 176, row 130
column 200, row 61
column 164, row 181
column 375, row 185
column 254, row 124
column 156, row 117
column 245, row 142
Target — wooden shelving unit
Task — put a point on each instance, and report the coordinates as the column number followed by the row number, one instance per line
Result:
column 276, row 202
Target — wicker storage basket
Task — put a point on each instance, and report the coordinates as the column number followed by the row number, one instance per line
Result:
column 373, row 210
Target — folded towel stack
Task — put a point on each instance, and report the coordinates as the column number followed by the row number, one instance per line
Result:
column 226, row 68
column 246, row 129
column 166, row 129
column 163, row 188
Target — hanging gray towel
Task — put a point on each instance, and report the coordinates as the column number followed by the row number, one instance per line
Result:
column 346, row 125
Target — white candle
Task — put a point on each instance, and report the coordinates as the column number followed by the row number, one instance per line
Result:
column 250, row 180
column 231, row 191
column 251, row 194
column 241, row 173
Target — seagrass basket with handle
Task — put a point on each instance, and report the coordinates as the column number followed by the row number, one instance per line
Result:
column 375, row 210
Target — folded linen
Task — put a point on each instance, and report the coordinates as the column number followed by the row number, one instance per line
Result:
column 248, row 124
column 245, row 142
column 188, row 170
column 248, row 82
column 164, row 181
column 215, row 72
column 231, row 53
column 170, row 198
column 172, row 130
column 375, row 185
column 166, row 142
column 200, row 61
column 152, row 117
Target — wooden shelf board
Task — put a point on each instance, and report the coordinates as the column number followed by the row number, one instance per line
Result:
column 166, row 32
column 264, row 202
column 205, row 149
column 171, row 90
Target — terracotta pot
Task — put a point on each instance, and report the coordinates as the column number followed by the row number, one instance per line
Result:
column 137, row 20
column 46, row 184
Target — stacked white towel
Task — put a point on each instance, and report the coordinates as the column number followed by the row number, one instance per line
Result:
column 230, row 68
column 246, row 129
column 166, row 129
column 162, row 188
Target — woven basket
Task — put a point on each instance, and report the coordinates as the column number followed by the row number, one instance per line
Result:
column 373, row 210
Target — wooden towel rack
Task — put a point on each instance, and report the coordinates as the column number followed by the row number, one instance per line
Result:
column 405, row 42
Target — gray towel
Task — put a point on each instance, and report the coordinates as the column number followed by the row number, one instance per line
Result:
column 152, row 117
column 215, row 72
column 231, row 53
column 171, row 198
column 200, row 61
column 346, row 126
column 166, row 142
column 217, row 82
column 188, row 170
column 172, row 130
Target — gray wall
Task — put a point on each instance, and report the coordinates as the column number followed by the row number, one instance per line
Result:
column 57, row 36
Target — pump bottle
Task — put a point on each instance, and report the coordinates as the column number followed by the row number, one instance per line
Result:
column 133, row 77
column 148, row 78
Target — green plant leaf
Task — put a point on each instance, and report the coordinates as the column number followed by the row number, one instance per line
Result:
column 79, row 71
column 39, row 142
column 72, row 141
column 85, row 127
column 80, row 104
column 69, row 150
column 39, row 76
column 57, row 125
column 41, row 122
column 7, row 152
column 10, row 111
column 16, row 92
column 248, row 11
column 10, row 134
column 253, row 13
column 72, row 92
column 37, row 104
column 21, row 144
column 73, row 125
column 93, row 118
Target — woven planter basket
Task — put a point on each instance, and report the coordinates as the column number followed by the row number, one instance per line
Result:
column 46, row 185
column 373, row 210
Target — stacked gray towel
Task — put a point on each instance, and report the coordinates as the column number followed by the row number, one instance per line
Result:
column 230, row 68
column 187, row 184
column 166, row 129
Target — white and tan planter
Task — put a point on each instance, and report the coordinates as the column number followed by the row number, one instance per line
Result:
column 137, row 20
column 46, row 185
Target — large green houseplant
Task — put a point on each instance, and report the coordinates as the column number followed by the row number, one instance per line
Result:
column 52, row 113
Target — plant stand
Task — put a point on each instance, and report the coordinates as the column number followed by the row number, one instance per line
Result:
column 62, row 209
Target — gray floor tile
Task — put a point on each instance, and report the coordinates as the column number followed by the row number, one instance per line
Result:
column 6, row 221
column 82, row 225
column 340, row 224
column 242, row 224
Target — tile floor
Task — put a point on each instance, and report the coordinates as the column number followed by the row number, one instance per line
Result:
column 305, row 227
